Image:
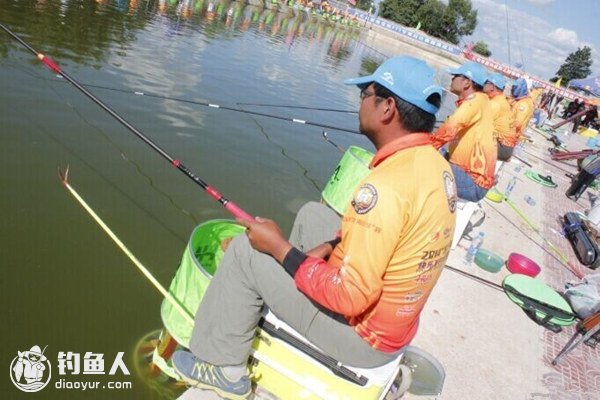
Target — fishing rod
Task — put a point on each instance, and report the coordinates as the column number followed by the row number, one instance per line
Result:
column 509, row 289
column 230, row 206
column 187, row 316
column 298, row 107
column 240, row 110
column 340, row 148
column 523, row 161
column 564, row 260
column 218, row 106
column 547, row 162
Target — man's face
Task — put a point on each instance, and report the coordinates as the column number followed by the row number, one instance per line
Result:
column 366, row 110
column 459, row 84
column 489, row 87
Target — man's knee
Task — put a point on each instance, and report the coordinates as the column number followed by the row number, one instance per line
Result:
column 313, row 208
column 239, row 247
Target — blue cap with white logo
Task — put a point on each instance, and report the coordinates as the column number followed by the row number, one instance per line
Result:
column 409, row 78
column 498, row 80
column 472, row 70
column 519, row 88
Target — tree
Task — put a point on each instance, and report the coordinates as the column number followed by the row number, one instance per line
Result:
column 364, row 4
column 576, row 66
column 431, row 15
column 448, row 22
column 401, row 11
column 461, row 19
column 481, row 47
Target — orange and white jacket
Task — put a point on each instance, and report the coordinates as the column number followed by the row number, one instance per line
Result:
column 395, row 238
column 469, row 131
column 504, row 129
column 522, row 112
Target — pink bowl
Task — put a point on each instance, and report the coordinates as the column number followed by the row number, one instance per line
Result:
column 519, row 264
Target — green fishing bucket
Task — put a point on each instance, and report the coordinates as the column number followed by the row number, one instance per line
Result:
column 353, row 167
column 198, row 264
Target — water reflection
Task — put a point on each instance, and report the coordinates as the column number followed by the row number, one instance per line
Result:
column 220, row 52
column 86, row 37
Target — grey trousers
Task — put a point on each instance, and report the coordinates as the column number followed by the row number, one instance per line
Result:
column 246, row 280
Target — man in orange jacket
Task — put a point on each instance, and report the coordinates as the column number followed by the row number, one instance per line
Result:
column 357, row 298
column 503, row 119
column 522, row 106
column 472, row 149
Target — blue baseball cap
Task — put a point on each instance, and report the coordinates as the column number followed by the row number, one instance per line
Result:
column 407, row 77
column 519, row 88
column 471, row 70
column 497, row 79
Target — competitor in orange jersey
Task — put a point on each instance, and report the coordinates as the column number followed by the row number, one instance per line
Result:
column 536, row 94
column 358, row 297
column 472, row 149
column 504, row 131
column 522, row 107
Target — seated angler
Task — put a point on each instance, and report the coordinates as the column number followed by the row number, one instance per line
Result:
column 468, row 132
column 504, row 131
column 522, row 106
column 358, row 297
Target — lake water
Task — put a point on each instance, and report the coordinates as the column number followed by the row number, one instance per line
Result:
column 64, row 284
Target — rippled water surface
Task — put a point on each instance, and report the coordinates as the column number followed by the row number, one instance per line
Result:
column 64, row 284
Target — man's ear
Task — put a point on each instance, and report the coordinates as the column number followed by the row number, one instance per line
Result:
column 389, row 110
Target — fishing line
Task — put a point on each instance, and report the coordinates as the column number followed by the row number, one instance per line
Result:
column 184, row 313
column 282, row 149
column 137, row 167
column 562, row 258
column 218, row 106
column 116, row 188
column 296, row 107
column 226, row 203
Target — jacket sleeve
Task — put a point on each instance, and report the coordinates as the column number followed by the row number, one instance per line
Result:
column 463, row 117
column 355, row 282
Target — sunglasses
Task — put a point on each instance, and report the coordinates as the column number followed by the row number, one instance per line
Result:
column 364, row 94
column 460, row 76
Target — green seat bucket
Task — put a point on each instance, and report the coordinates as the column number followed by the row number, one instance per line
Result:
column 340, row 188
column 198, row 264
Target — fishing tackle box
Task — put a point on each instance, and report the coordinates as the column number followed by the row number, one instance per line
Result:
column 582, row 239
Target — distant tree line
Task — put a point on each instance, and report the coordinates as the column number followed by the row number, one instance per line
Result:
column 447, row 22
column 576, row 66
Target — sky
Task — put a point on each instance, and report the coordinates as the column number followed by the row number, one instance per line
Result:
column 542, row 32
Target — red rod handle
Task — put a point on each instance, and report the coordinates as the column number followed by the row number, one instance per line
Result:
column 238, row 212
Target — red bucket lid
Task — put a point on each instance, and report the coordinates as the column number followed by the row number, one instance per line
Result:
column 519, row 264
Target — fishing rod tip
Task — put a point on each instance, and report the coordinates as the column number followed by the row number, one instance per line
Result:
column 64, row 176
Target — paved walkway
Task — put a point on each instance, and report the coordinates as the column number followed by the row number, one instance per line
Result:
column 488, row 346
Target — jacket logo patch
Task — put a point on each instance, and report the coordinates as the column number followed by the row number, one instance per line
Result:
column 450, row 188
column 365, row 199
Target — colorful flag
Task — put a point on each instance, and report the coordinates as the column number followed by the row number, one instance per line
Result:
column 558, row 82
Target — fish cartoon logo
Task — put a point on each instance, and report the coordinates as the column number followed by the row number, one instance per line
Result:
column 30, row 371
